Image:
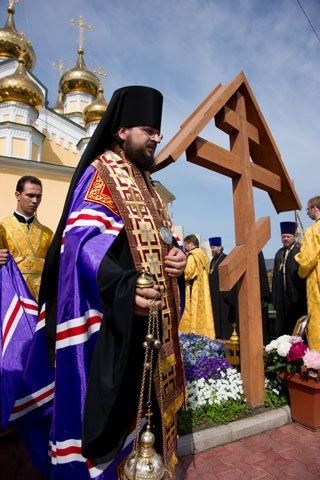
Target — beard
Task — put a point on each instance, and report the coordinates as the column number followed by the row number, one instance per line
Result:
column 138, row 155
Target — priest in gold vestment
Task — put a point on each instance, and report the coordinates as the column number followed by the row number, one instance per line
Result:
column 197, row 316
column 309, row 268
column 24, row 236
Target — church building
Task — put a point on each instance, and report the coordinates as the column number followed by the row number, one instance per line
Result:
column 39, row 140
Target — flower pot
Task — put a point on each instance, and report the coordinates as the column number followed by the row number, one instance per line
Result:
column 304, row 400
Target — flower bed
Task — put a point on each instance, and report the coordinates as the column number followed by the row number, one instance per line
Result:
column 215, row 387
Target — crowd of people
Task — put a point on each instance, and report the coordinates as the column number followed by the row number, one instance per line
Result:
column 114, row 269
column 294, row 290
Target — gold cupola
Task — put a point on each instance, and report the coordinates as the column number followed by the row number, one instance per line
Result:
column 19, row 87
column 79, row 78
column 59, row 107
column 13, row 43
column 95, row 110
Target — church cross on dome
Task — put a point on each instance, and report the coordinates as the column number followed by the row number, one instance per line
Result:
column 11, row 2
column 59, row 66
column 100, row 72
column 81, row 26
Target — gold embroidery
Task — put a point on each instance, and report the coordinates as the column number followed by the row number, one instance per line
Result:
column 143, row 220
column 99, row 193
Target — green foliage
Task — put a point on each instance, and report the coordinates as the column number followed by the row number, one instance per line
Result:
column 273, row 362
column 226, row 412
column 275, row 399
column 209, row 415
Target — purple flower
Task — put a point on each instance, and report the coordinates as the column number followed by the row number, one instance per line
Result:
column 207, row 368
column 202, row 357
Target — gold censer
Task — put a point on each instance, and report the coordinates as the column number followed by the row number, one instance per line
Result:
column 144, row 463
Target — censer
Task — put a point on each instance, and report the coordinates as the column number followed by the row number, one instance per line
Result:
column 144, row 463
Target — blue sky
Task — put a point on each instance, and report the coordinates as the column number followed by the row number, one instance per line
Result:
column 185, row 48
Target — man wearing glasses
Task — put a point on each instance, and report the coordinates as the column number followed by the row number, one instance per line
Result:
column 309, row 267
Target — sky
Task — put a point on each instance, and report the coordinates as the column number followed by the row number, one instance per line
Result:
column 185, row 48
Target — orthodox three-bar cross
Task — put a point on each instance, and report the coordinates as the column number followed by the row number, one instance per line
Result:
column 81, row 26
column 252, row 161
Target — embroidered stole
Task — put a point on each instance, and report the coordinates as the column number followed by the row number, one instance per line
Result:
column 143, row 212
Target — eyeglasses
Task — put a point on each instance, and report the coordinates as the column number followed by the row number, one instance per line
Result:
column 152, row 133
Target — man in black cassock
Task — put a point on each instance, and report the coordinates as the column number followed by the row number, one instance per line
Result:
column 288, row 289
column 223, row 303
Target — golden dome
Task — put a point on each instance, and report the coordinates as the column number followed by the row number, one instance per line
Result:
column 58, row 107
column 79, row 78
column 12, row 43
column 96, row 109
column 18, row 87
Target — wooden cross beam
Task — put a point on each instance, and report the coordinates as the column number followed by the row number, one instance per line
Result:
column 252, row 161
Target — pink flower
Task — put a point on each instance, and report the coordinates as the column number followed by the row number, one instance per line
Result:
column 297, row 351
column 311, row 359
column 312, row 373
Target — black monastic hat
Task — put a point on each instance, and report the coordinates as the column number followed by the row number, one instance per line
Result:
column 215, row 242
column 288, row 227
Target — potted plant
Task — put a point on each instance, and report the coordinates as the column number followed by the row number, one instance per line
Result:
column 291, row 358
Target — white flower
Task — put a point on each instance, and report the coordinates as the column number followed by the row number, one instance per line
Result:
column 283, row 348
column 202, row 392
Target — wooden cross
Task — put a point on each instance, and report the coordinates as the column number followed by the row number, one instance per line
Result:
column 81, row 26
column 253, row 160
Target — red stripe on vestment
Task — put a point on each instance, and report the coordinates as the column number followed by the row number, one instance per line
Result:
column 92, row 218
column 11, row 319
column 63, row 452
column 33, row 401
column 79, row 329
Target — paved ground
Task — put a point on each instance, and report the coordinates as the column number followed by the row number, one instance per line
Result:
column 290, row 452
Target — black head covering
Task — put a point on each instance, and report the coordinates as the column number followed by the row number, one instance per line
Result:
column 129, row 106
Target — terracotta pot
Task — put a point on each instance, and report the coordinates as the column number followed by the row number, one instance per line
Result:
column 304, row 400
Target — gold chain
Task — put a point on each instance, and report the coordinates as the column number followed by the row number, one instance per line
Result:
column 152, row 342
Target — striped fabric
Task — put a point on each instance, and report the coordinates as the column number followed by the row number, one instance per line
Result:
column 18, row 316
column 54, row 400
